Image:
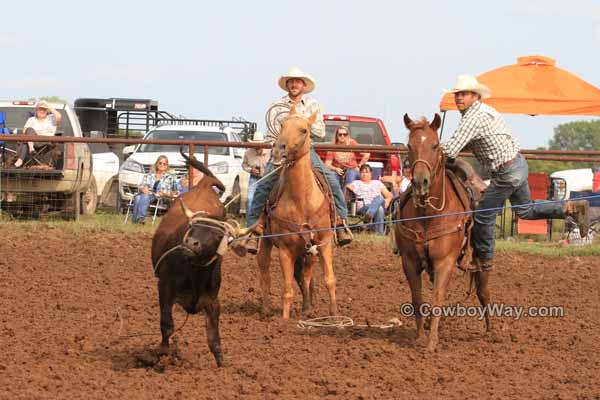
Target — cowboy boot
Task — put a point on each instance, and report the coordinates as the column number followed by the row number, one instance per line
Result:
column 579, row 211
column 344, row 235
column 251, row 244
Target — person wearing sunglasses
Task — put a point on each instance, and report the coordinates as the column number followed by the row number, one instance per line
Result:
column 344, row 163
column 159, row 182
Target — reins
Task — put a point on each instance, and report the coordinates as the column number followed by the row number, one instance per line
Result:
column 427, row 201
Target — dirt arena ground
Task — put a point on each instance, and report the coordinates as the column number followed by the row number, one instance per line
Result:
column 74, row 309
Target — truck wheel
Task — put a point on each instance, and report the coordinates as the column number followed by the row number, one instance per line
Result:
column 72, row 206
column 89, row 198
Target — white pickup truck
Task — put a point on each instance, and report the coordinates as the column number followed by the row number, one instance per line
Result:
column 67, row 185
column 570, row 180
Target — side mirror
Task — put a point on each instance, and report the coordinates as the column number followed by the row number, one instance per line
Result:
column 128, row 150
column 238, row 152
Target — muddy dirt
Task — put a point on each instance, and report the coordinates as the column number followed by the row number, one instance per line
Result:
column 80, row 320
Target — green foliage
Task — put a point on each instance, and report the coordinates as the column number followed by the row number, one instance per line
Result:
column 578, row 135
column 50, row 99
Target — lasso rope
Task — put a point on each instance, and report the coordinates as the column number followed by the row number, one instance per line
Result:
column 340, row 321
column 425, row 217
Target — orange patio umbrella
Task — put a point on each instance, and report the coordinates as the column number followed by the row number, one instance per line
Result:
column 535, row 86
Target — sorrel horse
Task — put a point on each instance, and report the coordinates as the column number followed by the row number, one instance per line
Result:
column 435, row 242
column 301, row 206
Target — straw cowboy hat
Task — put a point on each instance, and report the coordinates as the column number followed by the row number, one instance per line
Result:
column 468, row 83
column 257, row 138
column 296, row 72
column 42, row 104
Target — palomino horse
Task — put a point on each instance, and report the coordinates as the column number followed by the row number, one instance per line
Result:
column 301, row 206
column 433, row 244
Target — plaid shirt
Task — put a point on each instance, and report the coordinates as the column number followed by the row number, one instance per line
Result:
column 482, row 130
column 168, row 183
column 305, row 107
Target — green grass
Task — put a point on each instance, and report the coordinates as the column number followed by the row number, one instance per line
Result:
column 111, row 222
column 99, row 222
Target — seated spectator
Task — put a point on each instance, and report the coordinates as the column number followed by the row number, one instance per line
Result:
column 372, row 198
column 400, row 183
column 159, row 182
column 255, row 163
column 41, row 125
column 344, row 163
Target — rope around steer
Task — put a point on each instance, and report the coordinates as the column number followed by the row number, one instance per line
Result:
column 340, row 321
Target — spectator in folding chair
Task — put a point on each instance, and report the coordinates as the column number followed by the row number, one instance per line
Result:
column 159, row 183
column 372, row 198
column 402, row 182
column 40, row 124
column 345, row 163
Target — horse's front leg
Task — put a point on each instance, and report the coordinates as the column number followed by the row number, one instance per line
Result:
column 264, row 262
column 443, row 273
column 326, row 258
column 286, row 259
column 412, row 271
column 482, row 279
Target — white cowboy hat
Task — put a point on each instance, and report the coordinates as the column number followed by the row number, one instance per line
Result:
column 468, row 83
column 296, row 72
column 257, row 138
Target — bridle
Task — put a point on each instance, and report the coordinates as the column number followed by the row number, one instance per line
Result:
column 290, row 161
column 427, row 202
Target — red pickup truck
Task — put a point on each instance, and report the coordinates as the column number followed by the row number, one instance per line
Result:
column 365, row 130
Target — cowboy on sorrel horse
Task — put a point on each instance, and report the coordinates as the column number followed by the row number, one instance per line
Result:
column 300, row 205
column 439, row 244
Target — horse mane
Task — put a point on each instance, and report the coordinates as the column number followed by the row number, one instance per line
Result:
column 419, row 123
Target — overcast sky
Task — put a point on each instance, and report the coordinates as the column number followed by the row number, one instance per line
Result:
column 222, row 58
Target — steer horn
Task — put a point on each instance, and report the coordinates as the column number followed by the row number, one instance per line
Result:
column 188, row 213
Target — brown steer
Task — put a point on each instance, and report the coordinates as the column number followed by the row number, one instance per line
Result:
column 187, row 255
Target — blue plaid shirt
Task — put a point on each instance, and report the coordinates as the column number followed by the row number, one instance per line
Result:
column 168, row 183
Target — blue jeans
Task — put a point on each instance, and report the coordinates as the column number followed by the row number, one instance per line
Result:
column 508, row 183
column 375, row 210
column 264, row 188
column 141, row 201
column 352, row 174
column 251, row 190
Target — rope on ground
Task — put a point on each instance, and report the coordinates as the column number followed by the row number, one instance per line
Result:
column 394, row 221
column 340, row 322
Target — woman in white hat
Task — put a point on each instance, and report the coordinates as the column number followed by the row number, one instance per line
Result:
column 255, row 163
column 482, row 130
column 39, row 124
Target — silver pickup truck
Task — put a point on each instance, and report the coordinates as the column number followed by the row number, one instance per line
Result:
column 59, row 181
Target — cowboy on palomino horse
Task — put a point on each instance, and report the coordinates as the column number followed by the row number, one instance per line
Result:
column 299, row 217
column 440, row 243
column 297, row 84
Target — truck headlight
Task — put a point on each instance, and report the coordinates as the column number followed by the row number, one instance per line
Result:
column 219, row 168
column 134, row 166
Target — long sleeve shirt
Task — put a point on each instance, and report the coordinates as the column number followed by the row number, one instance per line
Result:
column 305, row 107
column 252, row 159
column 482, row 131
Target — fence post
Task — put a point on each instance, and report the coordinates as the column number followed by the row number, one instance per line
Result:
column 206, row 155
column 190, row 168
